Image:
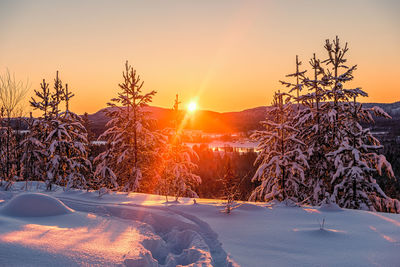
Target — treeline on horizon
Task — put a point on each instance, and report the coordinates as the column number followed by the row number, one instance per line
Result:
column 319, row 153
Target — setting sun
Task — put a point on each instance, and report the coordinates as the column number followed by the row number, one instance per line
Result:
column 147, row 115
column 192, row 106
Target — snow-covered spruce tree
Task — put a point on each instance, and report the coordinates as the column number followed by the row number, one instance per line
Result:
column 342, row 155
column 177, row 177
column 281, row 161
column 337, row 75
column 34, row 152
column 35, row 157
column 58, row 139
column 230, row 188
column 132, row 145
column 335, row 117
column 104, row 177
column 357, row 160
column 296, row 87
column 320, row 120
column 43, row 126
column 68, row 165
column 314, row 130
column 305, row 120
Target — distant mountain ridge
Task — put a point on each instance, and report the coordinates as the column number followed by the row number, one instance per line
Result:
column 229, row 122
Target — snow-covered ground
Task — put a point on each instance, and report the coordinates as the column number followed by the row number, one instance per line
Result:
column 69, row 228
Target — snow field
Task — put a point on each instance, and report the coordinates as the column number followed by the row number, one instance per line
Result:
column 149, row 232
column 102, row 234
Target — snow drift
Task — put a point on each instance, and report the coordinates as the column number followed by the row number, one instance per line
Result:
column 35, row 205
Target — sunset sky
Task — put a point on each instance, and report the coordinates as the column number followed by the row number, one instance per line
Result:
column 227, row 54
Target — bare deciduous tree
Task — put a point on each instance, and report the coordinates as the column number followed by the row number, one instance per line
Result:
column 12, row 92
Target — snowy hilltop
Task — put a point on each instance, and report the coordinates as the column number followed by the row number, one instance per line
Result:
column 76, row 228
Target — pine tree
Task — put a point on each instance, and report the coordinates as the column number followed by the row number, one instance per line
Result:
column 49, row 130
column 305, row 119
column 104, row 177
column 43, row 101
column 177, row 176
column 343, row 156
column 314, row 130
column 58, row 140
column 36, row 157
column 357, row 161
column 131, row 143
column 68, row 147
column 298, row 86
column 281, row 161
column 230, row 187
column 352, row 150
column 34, row 152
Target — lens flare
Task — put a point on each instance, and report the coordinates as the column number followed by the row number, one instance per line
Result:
column 192, row 106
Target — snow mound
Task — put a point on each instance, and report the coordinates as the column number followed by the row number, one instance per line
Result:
column 330, row 207
column 35, row 205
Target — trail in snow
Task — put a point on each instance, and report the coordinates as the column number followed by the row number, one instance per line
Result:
column 163, row 236
column 172, row 219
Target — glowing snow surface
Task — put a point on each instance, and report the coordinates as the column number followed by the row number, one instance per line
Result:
column 40, row 230
column 143, row 230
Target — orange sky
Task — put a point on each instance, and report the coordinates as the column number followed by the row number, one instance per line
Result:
column 228, row 54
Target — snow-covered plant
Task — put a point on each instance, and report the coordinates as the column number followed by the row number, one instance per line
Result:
column 336, row 76
column 68, row 164
column 343, row 157
column 352, row 151
column 58, row 96
column 35, row 157
column 177, row 177
column 34, row 151
column 281, row 161
column 43, row 101
column 306, row 120
column 230, row 188
column 58, row 140
column 132, row 145
column 314, row 129
column 104, row 176
column 296, row 87
column 357, row 160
